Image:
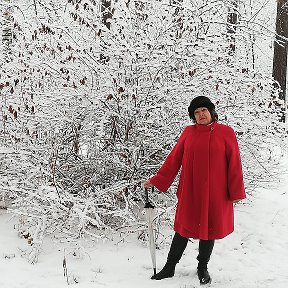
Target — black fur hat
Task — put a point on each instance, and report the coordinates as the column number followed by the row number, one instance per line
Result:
column 200, row 101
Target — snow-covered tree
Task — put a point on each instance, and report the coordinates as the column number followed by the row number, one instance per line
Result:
column 90, row 110
column 280, row 47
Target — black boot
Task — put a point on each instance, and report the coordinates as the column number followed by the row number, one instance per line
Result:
column 205, row 251
column 177, row 248
column 203, row 276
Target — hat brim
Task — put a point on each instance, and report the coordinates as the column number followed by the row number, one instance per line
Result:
column 206, row 104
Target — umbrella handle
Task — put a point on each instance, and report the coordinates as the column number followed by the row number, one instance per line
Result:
column 146, row 195
column 147, row 202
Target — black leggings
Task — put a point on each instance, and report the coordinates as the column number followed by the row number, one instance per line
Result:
column 179, row 244
column 205, row 251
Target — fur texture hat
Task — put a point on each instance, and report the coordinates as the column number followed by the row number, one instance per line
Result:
column 200, row 101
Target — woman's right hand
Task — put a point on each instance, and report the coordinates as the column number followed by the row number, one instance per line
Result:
column 147, row 184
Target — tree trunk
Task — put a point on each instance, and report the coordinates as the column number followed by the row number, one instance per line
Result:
column 178, row 17
column 106, row 16
column 6, row 25
column 280, row 47
column 106, row 11
column 232, row 21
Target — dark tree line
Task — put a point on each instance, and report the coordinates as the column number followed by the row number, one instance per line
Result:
column 280, row 47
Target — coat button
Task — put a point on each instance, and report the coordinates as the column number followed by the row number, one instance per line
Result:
column 212, row 128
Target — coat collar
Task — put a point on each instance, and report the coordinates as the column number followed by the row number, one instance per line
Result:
column 203, row 128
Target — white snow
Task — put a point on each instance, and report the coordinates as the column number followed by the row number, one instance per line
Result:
column 255, row 255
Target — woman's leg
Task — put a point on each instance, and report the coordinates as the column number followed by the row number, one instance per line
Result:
column 205, row 251
column 177, row 248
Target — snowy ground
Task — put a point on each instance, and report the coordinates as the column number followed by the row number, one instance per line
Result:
column 255, row 255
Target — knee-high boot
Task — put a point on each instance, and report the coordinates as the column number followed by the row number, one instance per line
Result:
column 177, row 248
column 205, row 251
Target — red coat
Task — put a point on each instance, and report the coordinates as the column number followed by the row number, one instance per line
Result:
column 211, row 178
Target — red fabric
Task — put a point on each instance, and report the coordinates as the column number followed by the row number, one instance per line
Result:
column 211, row 178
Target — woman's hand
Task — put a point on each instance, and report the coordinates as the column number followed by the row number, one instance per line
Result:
column 147, row 184
column 236, row 201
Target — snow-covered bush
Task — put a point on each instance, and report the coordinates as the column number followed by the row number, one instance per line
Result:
column 89, row 113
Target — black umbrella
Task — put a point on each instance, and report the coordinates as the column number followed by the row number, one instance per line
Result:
column 150, row 214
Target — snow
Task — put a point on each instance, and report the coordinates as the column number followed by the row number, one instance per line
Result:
column 255, row 255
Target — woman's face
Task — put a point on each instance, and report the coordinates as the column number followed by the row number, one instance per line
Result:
column 202, row 116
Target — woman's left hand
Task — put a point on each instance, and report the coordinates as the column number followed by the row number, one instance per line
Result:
column 236, row 201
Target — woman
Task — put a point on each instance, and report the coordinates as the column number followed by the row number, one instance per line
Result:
column 210, row 182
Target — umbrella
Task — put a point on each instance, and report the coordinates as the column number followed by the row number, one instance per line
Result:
column 149, row 211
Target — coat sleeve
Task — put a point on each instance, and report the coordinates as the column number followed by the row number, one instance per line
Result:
column 235, row 175
column 165, row 176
